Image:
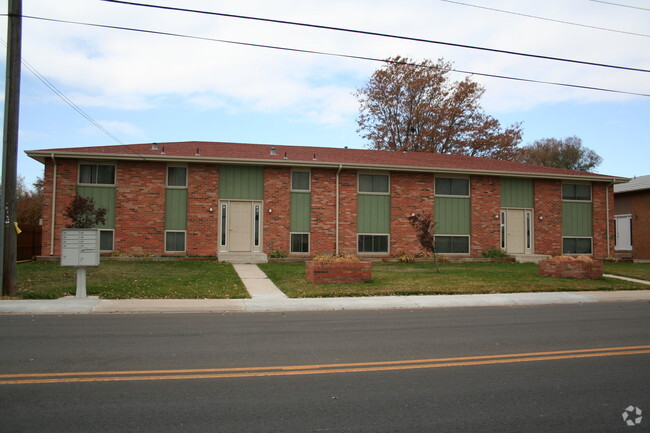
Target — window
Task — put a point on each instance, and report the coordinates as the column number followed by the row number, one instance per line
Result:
column 373, row 244
column 224, row 226
column 257, row 226
column 175, row 242
column 106, row 240
column 373, row 183
column 576, row 245
column 97, row 174
column 452, row 244
column 177, row 176
column 299, row 242
column 452, row 186
column 571, row 191
column 503, row 230
column 529, row 230
column 300, row 181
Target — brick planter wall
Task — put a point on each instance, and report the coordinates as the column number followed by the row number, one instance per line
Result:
column 338, row 272
column 571, row 269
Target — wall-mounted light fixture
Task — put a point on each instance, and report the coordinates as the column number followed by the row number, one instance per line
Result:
column 270, row 210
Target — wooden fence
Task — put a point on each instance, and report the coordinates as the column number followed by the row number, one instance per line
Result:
column 29, row 242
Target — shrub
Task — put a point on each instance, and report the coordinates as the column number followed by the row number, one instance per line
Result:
column 278, row 254
column 404, row 257
column 494, row 253
column 564, row 258
column 335, row 258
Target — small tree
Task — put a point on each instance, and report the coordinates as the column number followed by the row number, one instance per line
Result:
column 424, row 226
column 566, row 153
column 83, row 214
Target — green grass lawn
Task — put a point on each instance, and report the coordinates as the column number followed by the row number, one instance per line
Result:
column 632, row 270
column 146, row 279
column 422, row 278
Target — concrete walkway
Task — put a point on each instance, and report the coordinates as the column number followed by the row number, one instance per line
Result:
column 257, row 283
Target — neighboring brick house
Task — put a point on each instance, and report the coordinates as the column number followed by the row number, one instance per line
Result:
column 632, row 215
column 223, row 199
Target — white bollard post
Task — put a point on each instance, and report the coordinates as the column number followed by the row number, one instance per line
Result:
column 81, row 283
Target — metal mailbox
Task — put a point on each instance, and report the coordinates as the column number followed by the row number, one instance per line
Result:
column 80, row 247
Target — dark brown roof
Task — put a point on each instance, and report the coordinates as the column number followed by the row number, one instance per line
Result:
column 315, row 156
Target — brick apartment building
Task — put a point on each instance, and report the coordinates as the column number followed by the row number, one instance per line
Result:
column 632, row 215
column 228, row 199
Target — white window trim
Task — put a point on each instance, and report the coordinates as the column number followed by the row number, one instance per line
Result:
column 308, row 242
column 187, row 172
column 591, row 238
column 371, row 253
column 469, row 243
column 96, row 163
column 469, row 186
column 378, row 173
column 591, row 192
column 112, row 245
column 184, row 243
column 297, row 170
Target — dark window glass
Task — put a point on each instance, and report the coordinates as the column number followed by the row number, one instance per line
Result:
column 377, row 183
column 572, row 191
column 175, row 242
column 105, row 240
column 223, row 224
column 576, row 245
column 452, row 244
column 300, row 242
column 373, row 243
column 97, row 174
column 452, row 186
column 257, row 225
column 300, row 180
column 176, row 176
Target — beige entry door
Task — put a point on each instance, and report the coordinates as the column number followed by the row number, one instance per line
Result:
column 515, row 231
column 241, row 226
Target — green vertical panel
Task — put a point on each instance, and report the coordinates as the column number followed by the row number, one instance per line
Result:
column 300, row 212
column 517, row 193
column 104, row 197
column 577, row 219
column 176, row 209
column 452, row 215
column 373, row 213
column 237, row 182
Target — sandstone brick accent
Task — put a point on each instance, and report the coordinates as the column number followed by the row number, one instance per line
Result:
column 338, row 272
column 485, row 196
column 202, row 195
column 277, row 199
column 571, row 269
column 548, row 207
column 410, row 193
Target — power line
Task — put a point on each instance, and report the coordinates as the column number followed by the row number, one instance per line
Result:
column 385, row 35
column 348, row 56
column 621, row 5
column 546, row 19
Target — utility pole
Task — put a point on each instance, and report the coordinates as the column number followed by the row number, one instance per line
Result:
column 10, row 148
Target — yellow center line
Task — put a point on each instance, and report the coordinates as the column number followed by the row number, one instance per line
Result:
column 216, row 373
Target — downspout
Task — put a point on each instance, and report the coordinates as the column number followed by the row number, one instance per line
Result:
column 337, row 207
column 53, row 206
column 611, row 185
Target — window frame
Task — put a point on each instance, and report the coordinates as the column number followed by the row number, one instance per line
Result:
column 167, row 176
column 112, row 240
column 387, row 252
column 591, row 245
column 296, row 170
column 184, row 242
column 437, row 194
column 364, row 173
column 97, row 165
column 591, row 193
column 308, row 234
column 469, row 243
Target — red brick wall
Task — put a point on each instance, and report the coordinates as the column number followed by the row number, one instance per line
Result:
column 203, row 225
column 599, row 192
column 348, row 212
column 323, row 211
column 277, row 200
column 548, row 207
column 410, row 193
column 66, row 189
column 571, row 269
column 140, row 207
column 641, row 225
column 338, row 272
column 485, row 199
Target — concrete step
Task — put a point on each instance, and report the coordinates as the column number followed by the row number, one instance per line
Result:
column 530, row 258
column 243, row 257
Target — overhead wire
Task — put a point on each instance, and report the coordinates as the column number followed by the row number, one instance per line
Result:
column 384, row 35
column 349, row 56
column 621, row 5
column 546, row 19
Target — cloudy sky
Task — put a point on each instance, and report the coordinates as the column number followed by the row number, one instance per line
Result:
column 145, row 87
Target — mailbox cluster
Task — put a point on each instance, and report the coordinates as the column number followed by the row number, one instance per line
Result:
column 80, row 247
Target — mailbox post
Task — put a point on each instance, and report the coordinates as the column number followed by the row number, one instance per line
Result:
column 80, row 249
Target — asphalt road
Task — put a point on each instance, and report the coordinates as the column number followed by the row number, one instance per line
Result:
column 570, row 368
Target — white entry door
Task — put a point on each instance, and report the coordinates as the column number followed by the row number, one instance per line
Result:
column 241, row 226
column 515, row 231
column 623, row 232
